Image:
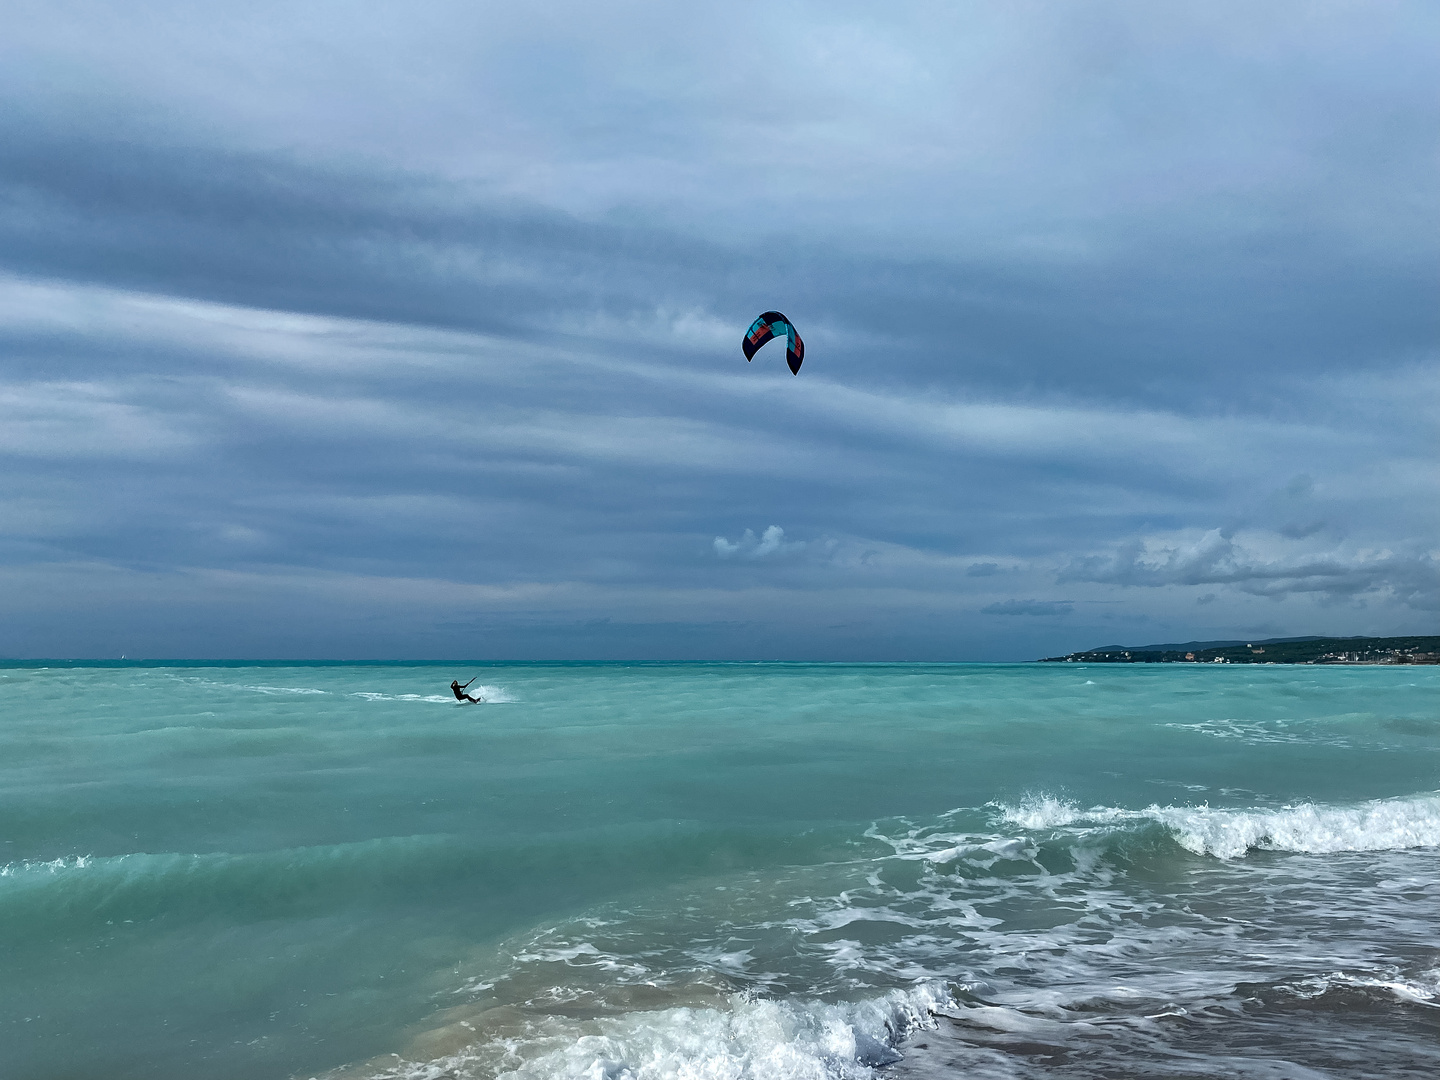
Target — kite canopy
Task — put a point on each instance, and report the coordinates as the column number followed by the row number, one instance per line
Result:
column 766, row 327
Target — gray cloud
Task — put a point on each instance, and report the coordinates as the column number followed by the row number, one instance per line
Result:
column 1412, row 579
column 438, row 325
column 272, row 229
column 1029, row 607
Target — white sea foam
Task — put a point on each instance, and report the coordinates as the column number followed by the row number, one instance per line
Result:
column 1040, row 812
column 1302, row 732
column 249, row 688
column 491, row 695
column 50, row 866
column 1378, row 825
column 1420, row 989
column 748, row 1040
column 367, row 695
column 986, row 853
column 583, row 954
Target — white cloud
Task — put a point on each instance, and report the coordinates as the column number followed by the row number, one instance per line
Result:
column 771, row 542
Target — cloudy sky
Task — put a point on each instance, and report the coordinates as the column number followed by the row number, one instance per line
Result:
column 412, row 330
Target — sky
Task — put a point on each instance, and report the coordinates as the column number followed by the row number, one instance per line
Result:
column 413, row 331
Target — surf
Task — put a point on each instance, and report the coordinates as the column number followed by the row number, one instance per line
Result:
column 716, row 870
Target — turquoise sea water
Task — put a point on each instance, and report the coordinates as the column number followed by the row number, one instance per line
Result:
column 771, row 870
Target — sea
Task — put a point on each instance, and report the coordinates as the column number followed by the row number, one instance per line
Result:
column 777, row 871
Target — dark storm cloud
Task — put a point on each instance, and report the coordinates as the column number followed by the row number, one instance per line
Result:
column 417, row 335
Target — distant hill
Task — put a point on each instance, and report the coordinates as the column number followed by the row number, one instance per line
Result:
column 1191, row 646
column 1301, row 650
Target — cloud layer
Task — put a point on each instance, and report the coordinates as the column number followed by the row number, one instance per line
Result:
column 425, row 342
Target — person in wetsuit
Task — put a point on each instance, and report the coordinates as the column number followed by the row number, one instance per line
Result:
column 459, row 692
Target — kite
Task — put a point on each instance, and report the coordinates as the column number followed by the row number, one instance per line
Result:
column 766, row 327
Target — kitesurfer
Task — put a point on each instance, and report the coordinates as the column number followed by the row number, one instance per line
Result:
column 459, row 692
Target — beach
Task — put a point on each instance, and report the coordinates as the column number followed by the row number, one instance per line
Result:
column 277, row 870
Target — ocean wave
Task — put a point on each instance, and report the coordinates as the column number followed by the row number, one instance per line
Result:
column 977, row 850
column 1277, row 732
column 1422, row 988
column 60, row 895
column 492, row 695
column 249, row 688
column 45, row 866
column 63, row 895
column 1309, row 828
column 743, row 1039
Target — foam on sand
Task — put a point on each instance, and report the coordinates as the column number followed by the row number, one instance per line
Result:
column 747, row 1038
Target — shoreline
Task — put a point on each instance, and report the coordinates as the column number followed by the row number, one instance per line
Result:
column 1320, row 651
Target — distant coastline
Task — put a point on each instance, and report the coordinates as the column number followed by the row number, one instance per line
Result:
column 1313, row 650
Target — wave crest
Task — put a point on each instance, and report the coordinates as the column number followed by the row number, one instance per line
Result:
column 1309, row 828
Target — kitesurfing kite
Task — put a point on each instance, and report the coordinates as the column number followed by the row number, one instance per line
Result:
column 766, row 327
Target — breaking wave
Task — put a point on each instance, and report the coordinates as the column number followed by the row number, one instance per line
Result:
column 740, row 1038
column 1422, row 988
column 1310, row 828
